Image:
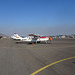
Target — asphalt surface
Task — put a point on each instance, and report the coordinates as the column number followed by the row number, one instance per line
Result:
column 25, row 59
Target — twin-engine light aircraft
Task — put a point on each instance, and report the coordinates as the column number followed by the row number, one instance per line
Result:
column 31, row 38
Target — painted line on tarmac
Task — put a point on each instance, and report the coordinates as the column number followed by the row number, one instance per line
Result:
column 29, row 47
column 66, row 46
column 39, row 70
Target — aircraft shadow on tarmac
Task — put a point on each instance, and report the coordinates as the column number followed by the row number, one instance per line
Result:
column 31, row 43
column 73, row 62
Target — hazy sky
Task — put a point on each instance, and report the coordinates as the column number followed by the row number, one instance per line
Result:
column 44, row 17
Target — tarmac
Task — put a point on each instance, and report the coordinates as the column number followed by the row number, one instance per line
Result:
column 55, row 58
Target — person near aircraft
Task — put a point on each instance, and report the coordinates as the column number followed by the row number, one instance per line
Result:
column 50, row 39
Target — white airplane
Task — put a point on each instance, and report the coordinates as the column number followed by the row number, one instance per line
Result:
column 38, row 38
column 31, row 38
column 16, row 37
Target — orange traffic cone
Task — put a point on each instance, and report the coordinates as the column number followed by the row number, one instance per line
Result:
column 33, row 44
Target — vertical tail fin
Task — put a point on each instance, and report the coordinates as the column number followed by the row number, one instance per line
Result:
column 16, row 35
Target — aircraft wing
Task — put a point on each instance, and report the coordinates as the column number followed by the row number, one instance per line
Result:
column 34, row 35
